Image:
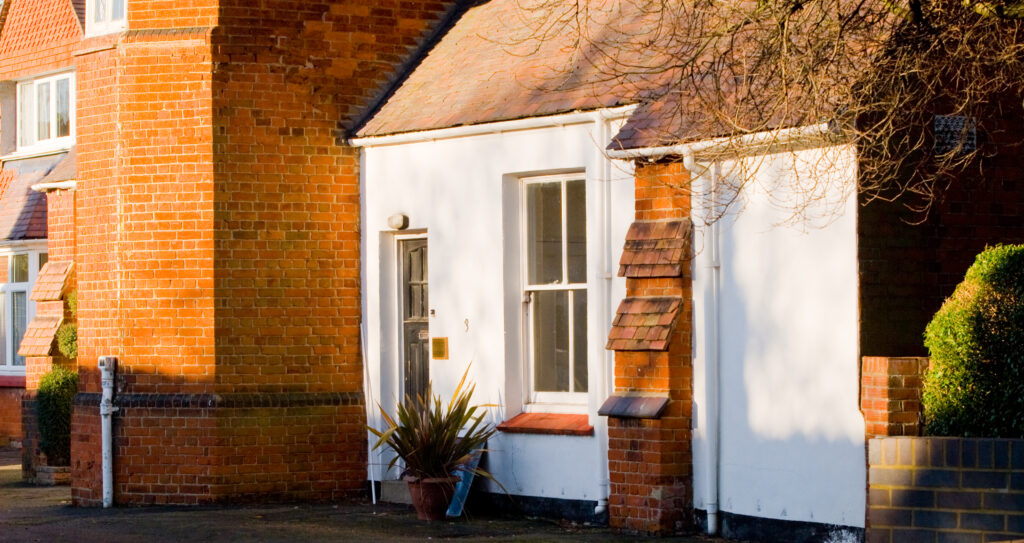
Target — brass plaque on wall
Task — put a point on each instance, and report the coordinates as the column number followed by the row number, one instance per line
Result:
column 439, row 348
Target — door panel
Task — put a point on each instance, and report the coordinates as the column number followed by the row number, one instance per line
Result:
column 415, row 314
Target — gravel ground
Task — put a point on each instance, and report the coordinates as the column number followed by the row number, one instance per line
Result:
column 44, row 514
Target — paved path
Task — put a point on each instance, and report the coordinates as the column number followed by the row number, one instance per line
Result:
column 43, row 514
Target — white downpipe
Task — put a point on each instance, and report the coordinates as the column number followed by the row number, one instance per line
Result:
column 491, row 128
column 603, row 385
column 108, row 367
column 712, row 372
column 728, row 145
column 370, row 420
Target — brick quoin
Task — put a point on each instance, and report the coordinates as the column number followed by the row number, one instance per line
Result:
column 218, row 249
column 650, row 460
column 890, row 397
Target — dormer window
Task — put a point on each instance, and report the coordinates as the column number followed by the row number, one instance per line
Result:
column 46, row 112
column 104, row 16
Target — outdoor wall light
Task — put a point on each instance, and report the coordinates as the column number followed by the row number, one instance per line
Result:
column 398, row 221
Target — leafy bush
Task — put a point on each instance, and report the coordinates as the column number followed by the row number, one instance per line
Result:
column 430, row 438
column 67, row 339
column 67, row 334
column 53, row 409
column 975, row 382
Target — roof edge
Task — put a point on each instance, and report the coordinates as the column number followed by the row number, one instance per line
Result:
column 496, row 127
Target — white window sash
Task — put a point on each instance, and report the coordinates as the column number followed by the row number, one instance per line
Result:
column 106, row 23
column 28, row 111
column 537, row 400
column 9, row 289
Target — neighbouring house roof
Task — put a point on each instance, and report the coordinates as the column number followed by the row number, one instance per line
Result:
column 491, row 66
column 23, row 210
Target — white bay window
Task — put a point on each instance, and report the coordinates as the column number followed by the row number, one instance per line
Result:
column 104, row 16
column 46, row 112
column 16, row 309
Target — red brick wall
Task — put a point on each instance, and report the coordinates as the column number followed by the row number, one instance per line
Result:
column 218, row 246
column 907, row 270
column 650, row 460
column 10, row 414
column 890, row 395
column 60, row 225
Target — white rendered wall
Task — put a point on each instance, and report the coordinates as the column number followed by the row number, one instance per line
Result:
column 462, row 194
column 792, row 436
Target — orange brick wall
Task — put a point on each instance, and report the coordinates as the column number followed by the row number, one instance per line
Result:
column 217, row 246
column 650, row 460
column 890, row 395
column 38, row 36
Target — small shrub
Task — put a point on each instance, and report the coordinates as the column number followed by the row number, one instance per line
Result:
column 53, row 409
column 67, row 334
column 975, row 382
column 67, row 339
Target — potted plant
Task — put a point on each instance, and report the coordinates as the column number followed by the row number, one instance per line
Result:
column 434, row 442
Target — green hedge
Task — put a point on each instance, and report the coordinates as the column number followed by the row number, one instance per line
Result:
column 975, row 381
column 53, row 408
column 67, row 334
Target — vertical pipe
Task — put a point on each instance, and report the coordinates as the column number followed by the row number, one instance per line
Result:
column 108, row 366
column 602, row 174
column 713, row 372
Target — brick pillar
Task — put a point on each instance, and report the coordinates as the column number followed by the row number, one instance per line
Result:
column 890, row 396
column 649, row 415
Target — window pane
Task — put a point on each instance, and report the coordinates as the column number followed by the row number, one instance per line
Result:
column 19, row 272
column 43, row 258
column 576, row 229
column 3, row 329
column 551, row 341
column 63, row 107
column 579, row 340
column 42, row 111
column 20, row 322
column 117, row 10
column 25, row 115
column 544, row 233
column 100, row 15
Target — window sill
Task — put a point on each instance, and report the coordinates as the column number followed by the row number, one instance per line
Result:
column 12, row 381
column 548, row 423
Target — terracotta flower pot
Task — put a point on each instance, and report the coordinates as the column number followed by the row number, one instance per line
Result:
column 431, row 497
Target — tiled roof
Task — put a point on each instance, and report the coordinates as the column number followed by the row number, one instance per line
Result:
column 644, row 324
column 51, row 281
column 656, row 249
column 488, row 68
column 38, row 24
column 65, row 170
column 23, row 210
column 39, row 336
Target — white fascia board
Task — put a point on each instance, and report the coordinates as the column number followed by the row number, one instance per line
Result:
column 549, row 121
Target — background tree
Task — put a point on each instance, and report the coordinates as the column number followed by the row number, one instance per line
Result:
column 878, row 71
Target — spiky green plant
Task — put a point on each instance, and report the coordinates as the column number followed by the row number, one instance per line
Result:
column 435, row 440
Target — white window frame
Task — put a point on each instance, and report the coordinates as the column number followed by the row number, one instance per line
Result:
column 34, row 251
column 538, row 401
column 107, row 25
column 53, row 142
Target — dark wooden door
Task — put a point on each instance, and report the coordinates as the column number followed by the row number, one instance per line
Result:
column 415, row 312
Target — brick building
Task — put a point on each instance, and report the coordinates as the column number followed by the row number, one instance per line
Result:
column 276, row 214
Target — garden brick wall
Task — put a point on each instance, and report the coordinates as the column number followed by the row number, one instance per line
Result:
column 217, row 242
column 890, row 395
column 945, row 489
column 650, row 459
